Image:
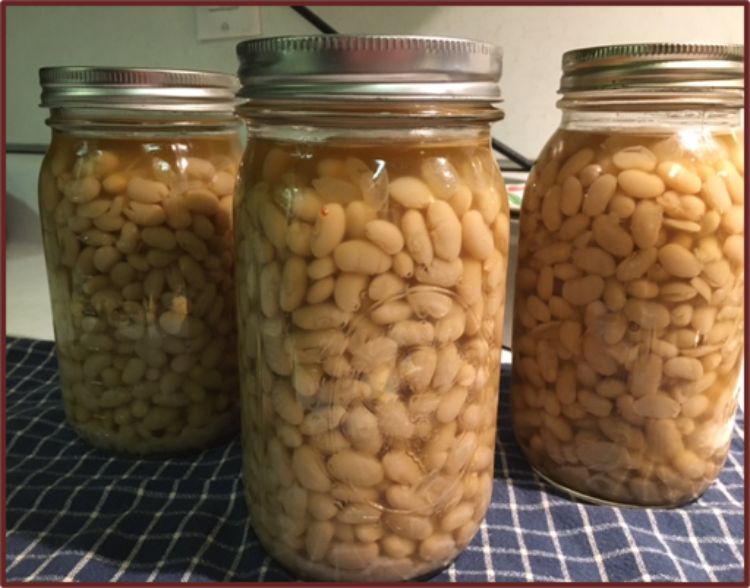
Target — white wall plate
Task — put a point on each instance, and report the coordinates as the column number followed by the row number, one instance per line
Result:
column 226, row 22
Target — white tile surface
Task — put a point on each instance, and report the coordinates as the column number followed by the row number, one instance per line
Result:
column 28, row 312
column 22, row 173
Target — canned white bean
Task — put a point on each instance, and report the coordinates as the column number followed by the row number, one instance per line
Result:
column 631, row 217
column 370, row 399
column 135, row 207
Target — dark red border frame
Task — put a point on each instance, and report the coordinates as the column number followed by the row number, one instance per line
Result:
column 382, row 3
column 3, row 234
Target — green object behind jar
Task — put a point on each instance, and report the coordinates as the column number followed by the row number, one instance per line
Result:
column 372, row 241
column 628, row 329
column 135, row 199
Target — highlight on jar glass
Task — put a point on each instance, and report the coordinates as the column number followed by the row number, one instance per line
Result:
column 628, row 323
column 372, row 243
column 135, row 198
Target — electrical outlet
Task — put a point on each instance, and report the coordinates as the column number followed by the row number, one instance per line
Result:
column 227, row 22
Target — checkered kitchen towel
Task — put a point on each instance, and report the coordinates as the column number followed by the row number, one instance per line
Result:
column 74, row 513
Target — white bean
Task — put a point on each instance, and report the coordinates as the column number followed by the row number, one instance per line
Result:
column 328, row 230
column 640, row 184
column 416, row 237
column 349, row 291
column 358, row 256
column 385, row 235
column 293, row 284
column 336, row 191
column 477, row 238
column 410, row 192
column 445, row 230
column 355, row 468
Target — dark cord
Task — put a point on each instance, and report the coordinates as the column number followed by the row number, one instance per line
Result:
column 314, row 20
column 497, row 145
column 512, row 154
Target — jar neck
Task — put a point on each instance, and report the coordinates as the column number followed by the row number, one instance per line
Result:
column 362, row 114
column 650, row 119
column 137, row 123
column 467, row 134
column 354, row 122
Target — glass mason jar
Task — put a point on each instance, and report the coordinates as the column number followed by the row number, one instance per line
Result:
column 628, row 326
column 135, row 200
column 372, row 242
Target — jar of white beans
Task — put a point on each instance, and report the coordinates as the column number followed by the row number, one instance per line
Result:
column 135, row 199
column 628, row 323
column 372, row 243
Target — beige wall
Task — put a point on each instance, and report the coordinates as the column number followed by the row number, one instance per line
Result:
column 533, row 39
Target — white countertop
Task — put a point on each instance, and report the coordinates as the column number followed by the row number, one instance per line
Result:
column 28, row 312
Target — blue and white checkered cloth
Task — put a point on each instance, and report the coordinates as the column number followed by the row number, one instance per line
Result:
column 75, row 513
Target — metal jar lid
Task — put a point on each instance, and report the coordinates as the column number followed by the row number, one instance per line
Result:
column 123, row 88
column 712, row 71
column 369, row 67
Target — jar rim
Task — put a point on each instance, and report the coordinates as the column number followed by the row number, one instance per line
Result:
column 374, row 68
